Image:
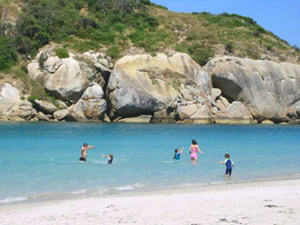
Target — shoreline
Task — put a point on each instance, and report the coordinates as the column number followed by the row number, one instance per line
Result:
column 134, row 192
column 260, row 202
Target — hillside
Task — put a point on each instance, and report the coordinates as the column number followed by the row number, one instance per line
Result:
column 108, row 60
column 129, row 26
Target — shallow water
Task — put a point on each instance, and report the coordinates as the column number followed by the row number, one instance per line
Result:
column 41, row 159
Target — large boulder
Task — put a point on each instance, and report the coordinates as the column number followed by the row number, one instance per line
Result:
column 9, row 96
column 296, row 107
column 145, row 84
column 234, row 113
column 195, row 112
column 266, row 88
column 91, row 107
column 12, row 107
column 22, row 109
column 61, row 114
column 45, row 106
column 66, row 78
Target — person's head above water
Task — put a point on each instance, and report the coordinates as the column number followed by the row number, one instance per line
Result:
column 194, row 142
column 176, row 150
column 85, row 144
column 227, row 156
column 111, row 156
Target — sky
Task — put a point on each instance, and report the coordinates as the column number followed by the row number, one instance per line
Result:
column 282, row 17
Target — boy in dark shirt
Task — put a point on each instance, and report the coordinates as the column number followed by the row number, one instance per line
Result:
column 229, row 164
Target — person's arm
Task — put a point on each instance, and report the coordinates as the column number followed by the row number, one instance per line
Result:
column 181, row 151
column 190, row 150
column 90, row 147
column 222, row 162
column 199, row 150
column 105, row 156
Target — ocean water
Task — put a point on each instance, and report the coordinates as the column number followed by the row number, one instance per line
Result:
column 40, row 160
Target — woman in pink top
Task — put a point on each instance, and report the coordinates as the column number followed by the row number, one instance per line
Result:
column 194, row 149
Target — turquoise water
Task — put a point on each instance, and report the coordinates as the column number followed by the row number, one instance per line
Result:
column 41, row 159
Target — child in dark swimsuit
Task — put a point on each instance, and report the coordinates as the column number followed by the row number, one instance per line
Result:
column 177, row 154
column 229, row 164
column 110, row 158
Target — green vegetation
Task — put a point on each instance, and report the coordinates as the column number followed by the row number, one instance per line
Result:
column 62, row 53
column 8, row 55
column 116, row 25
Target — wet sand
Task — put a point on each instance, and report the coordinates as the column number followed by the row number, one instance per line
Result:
column 258, row 203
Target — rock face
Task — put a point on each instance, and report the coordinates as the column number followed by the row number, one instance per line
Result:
column 67, row 78
column 9, row 96
column 45, row 107
column 195, row 112
column 22, row 109
column 235, row 113
column 143, row 85
column 91, row 106
column 61, row 114
column 12, row 107
column 266, row 88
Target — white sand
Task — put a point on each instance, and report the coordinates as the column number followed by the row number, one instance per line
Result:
column 259, row 203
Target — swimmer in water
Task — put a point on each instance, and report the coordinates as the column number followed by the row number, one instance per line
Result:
column 194, row 149
column 177, row 154
column 110, row 158
column 83, row 151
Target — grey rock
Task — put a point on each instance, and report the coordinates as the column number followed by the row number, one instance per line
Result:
column 234, row 113
column 61, row 114
column 143, row 85
column 45, row 107
column 68, row 78
column 164, row 116
column 24, row 110
column 139, row 119
column 61, row 104
column 195, row 113
column 9, row 96
column 215, row 93
column 91, row 107
column 266, row 88
column 42, row 117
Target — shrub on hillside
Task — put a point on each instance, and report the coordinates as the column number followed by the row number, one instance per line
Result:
column 62, row 53
column 113, row 52
column 8, row 55
column 201, row 56
column 229, row 47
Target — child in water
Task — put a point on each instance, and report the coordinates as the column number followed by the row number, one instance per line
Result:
column 177, row 154
column 229, row 164
column 110, row 158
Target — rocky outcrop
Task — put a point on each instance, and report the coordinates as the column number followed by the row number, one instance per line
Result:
column 235, row 113
column 144, row 84
column 91, row 106
column 11, row 105
column 266, row 88
column 9, row 95
column 195, row 113
column 22, row 109
column 159, row 89
column 42, row 117
column 61, row 114
column 67, row 78
column 45, row 106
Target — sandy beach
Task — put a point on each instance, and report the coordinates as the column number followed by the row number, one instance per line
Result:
column 257, row 203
